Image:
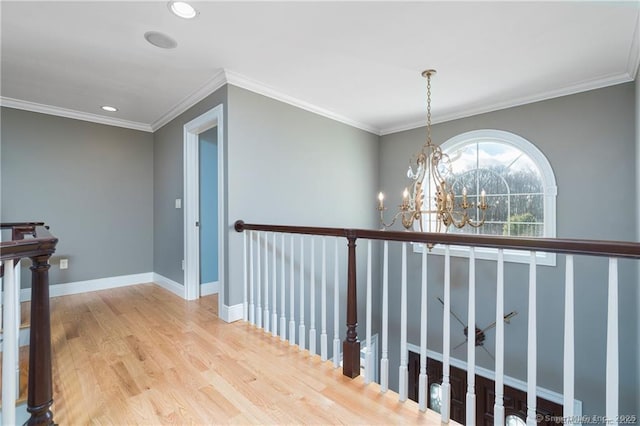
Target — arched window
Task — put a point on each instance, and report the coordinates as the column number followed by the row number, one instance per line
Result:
column 518, row 181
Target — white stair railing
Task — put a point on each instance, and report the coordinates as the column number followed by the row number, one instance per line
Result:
column 323, row 324
column 403, row 372
column 498, row 406
column 532, row 346
column 471, row 342
column 9, row 344
column 384, row 361
column 257, row 279
column 423, row 380
column 312, row 299
column 612, row 344
column 266, row 291
column 336, row 308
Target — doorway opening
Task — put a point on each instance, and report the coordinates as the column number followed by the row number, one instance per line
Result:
column 196, row 132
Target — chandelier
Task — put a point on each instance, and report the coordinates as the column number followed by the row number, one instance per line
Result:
column 427, row 171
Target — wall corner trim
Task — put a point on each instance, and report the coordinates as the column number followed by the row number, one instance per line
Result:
column 231, row 313
column 170, row 285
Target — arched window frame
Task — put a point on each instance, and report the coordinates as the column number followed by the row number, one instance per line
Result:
column 549, row 187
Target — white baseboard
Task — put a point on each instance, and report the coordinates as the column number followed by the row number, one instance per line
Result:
column 91, row 285
column 207, row 289
column 231, row 313
column 168, row 284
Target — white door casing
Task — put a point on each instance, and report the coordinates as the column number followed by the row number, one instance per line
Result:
column 212, row 118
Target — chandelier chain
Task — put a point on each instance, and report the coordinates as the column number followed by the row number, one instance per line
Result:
column 429, row 108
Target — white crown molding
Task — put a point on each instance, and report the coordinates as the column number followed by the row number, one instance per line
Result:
column 70, row 113
column 247, row 83
column 213, row 84
column 584, row 86
column 225, row 76
column 634, row 52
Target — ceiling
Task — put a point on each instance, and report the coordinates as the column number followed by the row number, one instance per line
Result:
column 357, row 62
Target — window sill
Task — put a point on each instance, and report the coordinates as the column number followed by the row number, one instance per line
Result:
column 483, row 253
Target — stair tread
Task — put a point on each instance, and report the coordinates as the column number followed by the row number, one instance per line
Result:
column 24, row 375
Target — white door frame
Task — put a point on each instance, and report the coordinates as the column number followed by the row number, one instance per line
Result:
column 211, row 118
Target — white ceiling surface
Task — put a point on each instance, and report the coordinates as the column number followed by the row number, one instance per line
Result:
column 358, row 62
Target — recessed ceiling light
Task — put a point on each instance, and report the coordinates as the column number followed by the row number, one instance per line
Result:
column 182, row 9
column 160, row 40
column 109, row 108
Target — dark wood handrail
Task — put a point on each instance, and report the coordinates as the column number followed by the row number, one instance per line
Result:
column 42, row 242
column 626, row 249
column 39, row 247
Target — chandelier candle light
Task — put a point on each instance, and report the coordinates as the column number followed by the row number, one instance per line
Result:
column 431, row 166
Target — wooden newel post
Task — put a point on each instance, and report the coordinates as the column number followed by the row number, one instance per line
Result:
column 351, row 345
column 40, row 396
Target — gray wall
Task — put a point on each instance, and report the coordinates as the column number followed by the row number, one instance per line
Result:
column 589, row 140
column 168, row 184
column 93, row 184
column 292, row 167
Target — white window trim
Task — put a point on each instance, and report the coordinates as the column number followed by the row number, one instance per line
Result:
column 550, row 193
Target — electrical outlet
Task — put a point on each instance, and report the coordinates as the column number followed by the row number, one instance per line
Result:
column 64, row 263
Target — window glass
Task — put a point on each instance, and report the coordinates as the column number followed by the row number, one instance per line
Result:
column 512, row 181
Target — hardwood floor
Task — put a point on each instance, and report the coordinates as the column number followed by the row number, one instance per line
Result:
column 141, row 355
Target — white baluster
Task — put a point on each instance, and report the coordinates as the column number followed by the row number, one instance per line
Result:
column 1, row 301
column 259, row 284
column 336, row 308
column 283, row 316
column 423, row 380
column 384, row 362
column 301, row 328
column 323, row 332
column 368, row 364
column 445, row 407
column 569, row 353
column 532, row 344
column 312, row 300
column 292, row 304
column 252, row 311
column 10, row 342
column 612, row 343
column 498, row 406
column 274, row 291
column 471, row 342
column 245, row 303
column 403, row 372
column 266, row 283
column 16, row 323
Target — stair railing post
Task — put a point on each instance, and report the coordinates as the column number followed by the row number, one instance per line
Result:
column 40, row 396
column 351, row 345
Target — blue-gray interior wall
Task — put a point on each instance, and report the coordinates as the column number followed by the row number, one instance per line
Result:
column 208, row 170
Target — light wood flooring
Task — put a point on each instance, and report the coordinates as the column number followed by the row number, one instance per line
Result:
column 141, row 355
